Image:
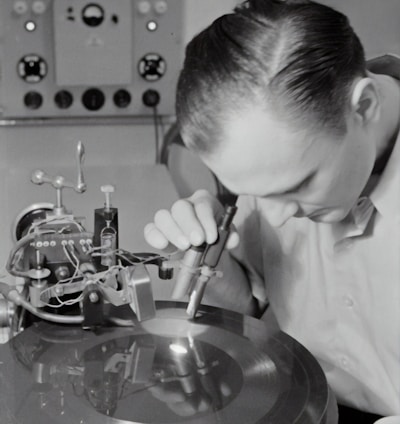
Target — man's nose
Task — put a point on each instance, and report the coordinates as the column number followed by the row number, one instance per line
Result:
column 280, row 211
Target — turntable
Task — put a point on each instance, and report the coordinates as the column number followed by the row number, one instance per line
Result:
column 220, row 368
column 89, row 345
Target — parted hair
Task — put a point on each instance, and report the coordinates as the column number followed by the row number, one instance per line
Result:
column 296, row 58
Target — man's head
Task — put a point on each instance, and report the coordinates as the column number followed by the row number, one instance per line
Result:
column 267, row 97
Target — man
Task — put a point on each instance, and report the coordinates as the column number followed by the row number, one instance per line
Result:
column 278, row 100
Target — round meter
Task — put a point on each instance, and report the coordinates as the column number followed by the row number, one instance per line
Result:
column 93, row 15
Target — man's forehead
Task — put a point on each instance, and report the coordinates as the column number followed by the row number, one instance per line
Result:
column 257, row 136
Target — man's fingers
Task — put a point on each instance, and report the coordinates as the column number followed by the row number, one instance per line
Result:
column 155, row 237
column 190, row 224
column 167, row 229
column 191, row 221
column 207, row 207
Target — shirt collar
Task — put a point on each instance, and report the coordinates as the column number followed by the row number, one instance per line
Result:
column 355, row 223
column 385, row 197
column 386, row 194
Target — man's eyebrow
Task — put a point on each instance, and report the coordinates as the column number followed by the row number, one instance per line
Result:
column 301, row 184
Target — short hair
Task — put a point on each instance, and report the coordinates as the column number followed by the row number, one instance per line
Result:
column 296, row 57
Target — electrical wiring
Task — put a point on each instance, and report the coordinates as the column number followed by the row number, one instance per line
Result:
column 61, row 264
column 50, row 220
column 77, row 282
column 67, row 288
column 142, row 260
column 62, row 303
column 12, row 294
column 68, row 250
column 24, row 241
column 73, row 259
column 68, row 283
column 158, row 128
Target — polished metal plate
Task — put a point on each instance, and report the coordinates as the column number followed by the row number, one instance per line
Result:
column 220, row 368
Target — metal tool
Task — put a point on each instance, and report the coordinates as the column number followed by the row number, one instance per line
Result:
column 209, row 260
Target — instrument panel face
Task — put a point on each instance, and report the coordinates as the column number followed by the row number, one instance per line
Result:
column 82, row 58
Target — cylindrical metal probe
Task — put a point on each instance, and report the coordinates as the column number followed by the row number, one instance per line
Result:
column 189, row 266
column 210, row 260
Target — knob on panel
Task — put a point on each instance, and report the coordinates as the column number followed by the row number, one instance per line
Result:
column 152, row 67
column 151, row 98
column 33, row 100
column 144, row 7
column 20, row 7
column 32, row 68
column 39, row 7
column 60, row 57
column 63, row 99
column 161, row 7
column 93, row 99
column 122, row 98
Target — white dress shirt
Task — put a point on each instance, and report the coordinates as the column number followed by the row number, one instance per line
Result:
column 336, row 288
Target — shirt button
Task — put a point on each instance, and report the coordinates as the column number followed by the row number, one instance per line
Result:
column 348, row 301
column 344, row 361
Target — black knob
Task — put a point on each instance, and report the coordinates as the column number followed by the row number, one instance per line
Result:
column 122, row 98
column 151, row 98
column 63, row 99
column 33, row 100
column 93, row 99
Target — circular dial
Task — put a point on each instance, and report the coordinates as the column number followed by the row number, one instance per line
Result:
column 32, row 68
column 152, row 67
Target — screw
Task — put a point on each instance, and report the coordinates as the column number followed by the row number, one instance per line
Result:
column 94, row 297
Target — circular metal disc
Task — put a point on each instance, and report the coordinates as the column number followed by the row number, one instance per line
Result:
column 220, row 368
column 26, row 217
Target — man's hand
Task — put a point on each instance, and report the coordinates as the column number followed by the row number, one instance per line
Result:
column 191, row 221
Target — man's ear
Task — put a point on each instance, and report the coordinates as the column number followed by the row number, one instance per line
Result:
column 365, row 101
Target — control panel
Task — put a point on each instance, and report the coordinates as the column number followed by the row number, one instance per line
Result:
column 82, row 58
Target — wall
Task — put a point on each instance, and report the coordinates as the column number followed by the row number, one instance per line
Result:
column 105, row 144
column 200, row 13
column 31, row 146
column 376, row 23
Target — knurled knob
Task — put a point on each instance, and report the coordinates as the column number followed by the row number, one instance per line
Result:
column 107, row 190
